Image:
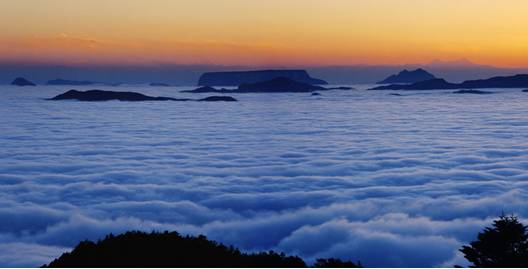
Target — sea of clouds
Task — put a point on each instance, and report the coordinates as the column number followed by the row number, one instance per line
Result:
column 386, row 180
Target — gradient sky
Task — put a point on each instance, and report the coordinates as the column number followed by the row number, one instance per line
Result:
column 263, row 32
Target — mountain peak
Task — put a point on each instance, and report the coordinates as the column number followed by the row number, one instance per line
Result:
column 407, row 77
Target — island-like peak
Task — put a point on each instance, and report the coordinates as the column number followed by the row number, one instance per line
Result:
column 280, row 84
column 407, row 77
column 100, row 95
column 65, row 82
column 236, row 78
column 20, row 81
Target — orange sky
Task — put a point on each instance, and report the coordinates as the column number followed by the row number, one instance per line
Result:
column 264, row 32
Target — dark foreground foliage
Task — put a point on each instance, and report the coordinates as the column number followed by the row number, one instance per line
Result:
column 335, row 263
column 170, row 249
column 505, row 244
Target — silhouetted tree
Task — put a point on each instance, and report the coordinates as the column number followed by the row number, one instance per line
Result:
column 335, row 263
column 503, row 245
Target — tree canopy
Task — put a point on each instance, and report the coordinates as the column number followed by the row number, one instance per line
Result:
column 505, row 244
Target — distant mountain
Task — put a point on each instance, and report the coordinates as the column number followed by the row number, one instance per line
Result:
column 22, row 82
column 280, row 84
column 408, row 77
column 275, row 85
column 517, row 81
column 157, row 84
column 70, row 82
column 99, row 96
column 433, row 84
column 237, row 78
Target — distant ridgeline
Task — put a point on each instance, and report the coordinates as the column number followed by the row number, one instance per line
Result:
column 66, row 82
column 237, row 78
column 517, row 81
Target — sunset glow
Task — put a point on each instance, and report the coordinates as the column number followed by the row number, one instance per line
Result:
column 263, row 32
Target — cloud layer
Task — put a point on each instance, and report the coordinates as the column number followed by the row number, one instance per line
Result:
column 389, row 181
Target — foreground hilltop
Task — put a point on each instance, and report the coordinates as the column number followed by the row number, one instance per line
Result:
column 237, row 78
column 170, row 249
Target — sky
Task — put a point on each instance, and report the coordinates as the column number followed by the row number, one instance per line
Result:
column 263, row 32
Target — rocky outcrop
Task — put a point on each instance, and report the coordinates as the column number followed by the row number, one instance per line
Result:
column 343, row 88
column 65, row 82
column 155, row 84
column 433, row 84
column 276, row 85
column 218, row 99
column 99, row 95
column 243, row 77
column 472, row 92
column 408, row 77
column 207, row 89
column 279, row 85
column 22, row 82
column 517, row 81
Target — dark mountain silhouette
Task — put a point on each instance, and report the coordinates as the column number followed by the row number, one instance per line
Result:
column 408, row 77
column 275, row 85
column 472, row 92
column 517, row 81
column 217, row 98
column 99, row 95
column 525, row 90
column 170, row 249
column 341, row 88
column 504, row 245
column 208, row 89
column 156, row 84
column 65, row 82
column 280, row 84
column 432, row 84
column 241, row 77
column 22, row 82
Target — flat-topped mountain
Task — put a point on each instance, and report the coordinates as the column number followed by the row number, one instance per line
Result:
column 275, row 85
column 236, row 78
column 99, row 95
column 517, row 81
column 20, row 81
column 407, row 77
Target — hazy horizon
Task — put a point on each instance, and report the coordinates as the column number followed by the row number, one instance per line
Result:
column 188, row 74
